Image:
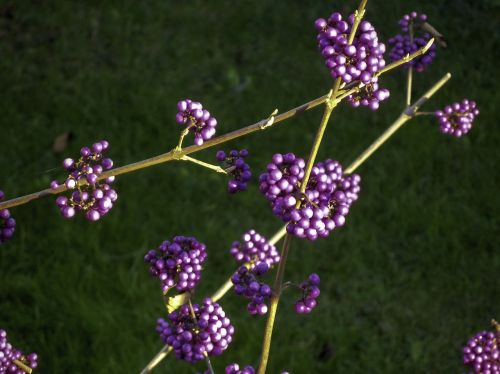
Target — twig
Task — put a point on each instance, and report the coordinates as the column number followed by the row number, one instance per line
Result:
column 409, row 79
column 405, row 59
column 157, row 359
column 21, row 365
column 216, row 168
column 273, row 307
column 207, row 359
column 404, row 117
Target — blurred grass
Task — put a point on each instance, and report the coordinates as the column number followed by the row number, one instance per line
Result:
column 412, row 275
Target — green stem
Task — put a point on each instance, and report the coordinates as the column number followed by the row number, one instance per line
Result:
column 273, row 307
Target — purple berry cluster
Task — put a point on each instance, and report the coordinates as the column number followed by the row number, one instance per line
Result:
column 369, row 95
column 402, row 44
column 191, row 338
column 414, row 19
column 350, row 185
column 9, row 354
column 94, row 197
column 254, row 248
column 235, row 165
column 456, row 119
column 357, row 61
column 235, row 369
column 281, row 183
column 198, row 120
column 7, row 223
column 482, row 352
column 310, row 292
column 247, row 284
column 325, row 203
column 178, row 263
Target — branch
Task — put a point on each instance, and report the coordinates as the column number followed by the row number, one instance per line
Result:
column 406, row 59
column 404, row 117
column 176, row 153
column 157, row 359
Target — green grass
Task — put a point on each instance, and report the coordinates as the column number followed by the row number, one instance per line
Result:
column 412, row 275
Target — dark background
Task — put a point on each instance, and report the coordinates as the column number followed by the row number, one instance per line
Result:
column 411, row 276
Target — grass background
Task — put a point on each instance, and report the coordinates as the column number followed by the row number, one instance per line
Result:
column 412, row 275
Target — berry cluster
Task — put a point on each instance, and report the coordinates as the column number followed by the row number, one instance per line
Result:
column 310, row 292
column 235, row 369
column 403, row 44
column 210, row 332
column 254, row 248
column 178, row 263
column 325, row 203
column 482, row 352
column 235, row 165
column 281, row 183
column 90, row 195
column 357, row 61
column 7, row 223
column 198, row 120
column 246, row 284
column 456, row 119
column 8, row 356
column 369, row 95
column 413, row 18
column 350, row 185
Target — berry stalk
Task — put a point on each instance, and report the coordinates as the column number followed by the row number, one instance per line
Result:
column 23, row 367
column 409, row 79
column 331, row 103
column 215, row 168
column 273, row 307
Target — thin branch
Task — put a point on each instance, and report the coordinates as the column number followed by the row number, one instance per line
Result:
column 157, row 359
column 207, row 359
column 409, row 79
column 216, row 168
column 21, row 365
column 404, row 117
column 273, row 307
column 406, row 59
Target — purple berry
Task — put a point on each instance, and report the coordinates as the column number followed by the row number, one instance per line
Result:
column 9, row 354
column 482, row 351
column 199, row 120
column 7, row 223
column 84, row 176
column 456, row 119
column 310, row 292
column 236, row 167
column 254, row 248
column 178, row 263
column 357, row 61
column 210, row 332
column 246, row 283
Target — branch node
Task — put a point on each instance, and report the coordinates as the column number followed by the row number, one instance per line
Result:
column 270, row 120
